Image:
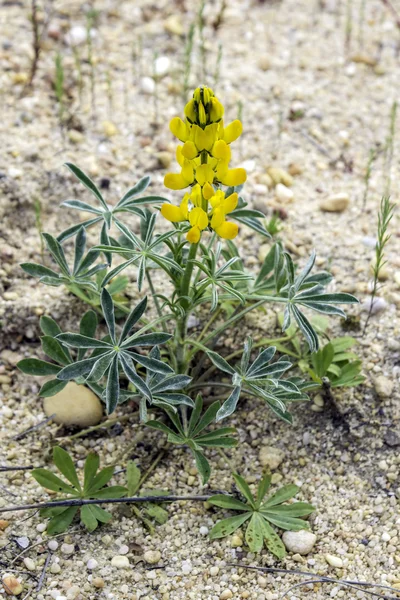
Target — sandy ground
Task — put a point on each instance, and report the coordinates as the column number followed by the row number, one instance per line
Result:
column 279, row 60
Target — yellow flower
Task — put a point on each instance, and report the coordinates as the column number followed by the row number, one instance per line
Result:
column 221, row 207
column 198, row 219
column 176, row 214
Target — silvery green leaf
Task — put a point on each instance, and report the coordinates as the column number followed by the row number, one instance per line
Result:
column 151, row 363
column 220, row 362
column 87, row 262
column 228, row 526
column 57, row 253
column 52, row 387
column 196, row 412
column 101, row 366
column 139, row 202
column 80, row 245
column 305, row 272
column 206, row 419
column 104, row 239
column 306, row 327
column 53, row 281
column 87, row 182
column 141, row 272
column 253, row 224
column 202, row 465
column 49, row 326
column 34, row 366
column 262, row 359
column 72, row 230
column 137, row 242
column 137, row 189
column 244, row 363
column 77, row 369
column 147, row 339
column 36, row 270
column 174, row 382
column 133, row 377
column 107, row 306
column 111, row 274
column 81, row 206
column 77, row 340
column 52, row 348
column 112, row 389
column 134, row 316
column 174, row 399
column 88, row 324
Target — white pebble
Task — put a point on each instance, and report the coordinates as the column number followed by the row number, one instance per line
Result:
column 379, row 304
column 147, row 85
column 92, row 564
column 52, row 545
column 162, row 65
column 124, row 549
column 334, row 561
column 186, row 567
column 299, row 542
column 67, row 548
column 41, row 527
column 120, row 562
column 152, row 557
column 30, row 564
column 283, row 193
column 203, row 530
column 214, row 571
column 76, row 35
column 385, row 537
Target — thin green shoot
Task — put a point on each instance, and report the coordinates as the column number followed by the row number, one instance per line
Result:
column 371, row 159
column 37, row 206
column 389, row 147
column 59, row 86
column 79, row 75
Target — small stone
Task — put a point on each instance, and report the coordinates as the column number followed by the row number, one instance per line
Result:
column 12, row 586
column 120, row 562
column 164, row 158
column 334, row 561
column 295, row 169
column 226, row 594
column 74, row 405
column 73, row 592
column 280, row 176
column 152, row 557
column 264, row 63
column 364, row 59
column 186, row 567
column 4, row 524
column 92, row 564
column 76, row 36
column 214, row 571
column 10, row 296
column 383, row 386
column 161, row 65
column 124, row 549
column 236, row 541
column 147, row 85
column 76, row 137
column 203, row 530
column 55, row 568
column 109, row 128
column 385, row 537
column 335, row 203
column 378, row 305
column 174, row 25
column 20, row 78
column 52, row 545
column 67, row 548
column 30, row 564
column 5, row 379
column 283, row 193
column 7, row 412
column 271, row 457
column 23, row 542
column 98, row 583
column 299, row 542
column 263, row 251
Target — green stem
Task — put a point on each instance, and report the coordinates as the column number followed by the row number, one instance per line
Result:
column 181, row 324
column 154, row 295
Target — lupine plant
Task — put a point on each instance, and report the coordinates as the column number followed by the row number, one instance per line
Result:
column 185, row 258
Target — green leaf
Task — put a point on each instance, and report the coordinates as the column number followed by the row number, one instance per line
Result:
column 48, row 480
column 297, row 509
column 101, row 479
column 88, row 324
column 284, row 522
column 80, row 245
column 322, row 359
column 133, row 318
column 114, row 491
column 157, row 512
column 52, row 348
column 107, row 306
column 36, row 270
column 202, row 465
column 254, row 533
column 91, row 465
column 137, row 189
column 112, row 389
column 65, row 465
column 206, row 419
column 220, row 362
column 132, row 478
column 225, row 501
column 52, row 387
column 307, row 329
column 78, row 369
column 244, row 489
column 61, row 522
column 101, row 515
column 195, row 415
column 57, row 253
column 230, row 404
column 263, row 487
column 34, row 366
column 87, row 182
column 273, row 541
column 49, row 326
column 282, row 495
column 228, row 526
column 77, row 340
column 88, row 518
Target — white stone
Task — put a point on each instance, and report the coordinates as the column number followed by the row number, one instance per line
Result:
column 186, row 567
column 92, row 564
column 383, row 386
column 147, row 85
column 214, row 571
column 299, row 542
column 30, row 564
column 385, row 537
column 152, row 557
column 52, row 545
column 120, row 562
column 283, row 193
column 124, row 549
column 203, row 530
column 161, row 65
column 67, row 548
column 378, row 305
column 334, row 561
column 335, row 203
column 74, row 405
column 55, row 568
column 76, row 36
column 271, row 457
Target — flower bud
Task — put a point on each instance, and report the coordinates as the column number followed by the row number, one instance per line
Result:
column 190, row 111
column 216, row 110
column 202, row 114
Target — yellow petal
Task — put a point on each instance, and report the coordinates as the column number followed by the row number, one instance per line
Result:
column 216, row 109
column 221, row 150
column 198, row 217
column 202, row 114
column 234, row 177
column 172, row 213
column 217, row 199
column 211, row 132
column 184, row 207
column 217, row 219
column 180, row 159
column 175, row 181
column 230, row 203
column 195, row 195
column 188, row 172
column 199, row 137
column 204, row 173
column 190, row 111
column 227, row 230
column 208, row 190
column 179, row 129
column 189, row 150
column 193, row 235
column 232, row 131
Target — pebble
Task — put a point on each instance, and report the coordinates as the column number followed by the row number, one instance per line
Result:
column 283, row 193
column 264, row 63
column 74, row 405
column 147, row 85
column 162, row 65
column 12, row 586
column 67, row 548
column 109, row 128
column 378, row 305
column 336, row 203
column 203, row 530
column 7, row 412
column 299, row 542
column 271, row 457
column 173, row 24
column 30, row 564
column 164, row 158
column 334, row 561
column 214, row 571
column 98, row 582
column 236, row 541
column 52, row 545
column 76, row 36
column 226, row 594
column 383, row 386
column 120, row 562
column 186, row 567
column 92, row 564
column 4, row 524
column 23, row 542
column 55, row 568
column 152, row 557
column 280, row 176
column 76, row 137
column 124, row 549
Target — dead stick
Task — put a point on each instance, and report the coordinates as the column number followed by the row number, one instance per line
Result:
column 43, row 573
column 19, row 436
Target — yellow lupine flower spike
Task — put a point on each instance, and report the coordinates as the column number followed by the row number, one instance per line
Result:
column 204, row 162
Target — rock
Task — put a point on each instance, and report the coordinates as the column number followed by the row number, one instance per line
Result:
column 20, row 78
column 120, row 562
column 203, row 530
column 147, row 85
column 161, row 65
column 98, row 583
column 264, row 63
column 263, row 251
column 67, row 548
column 391, row 438
column 74, row 405
column 295, row 169
column 29, row 564
column 214, row 571
column 152, row 557
column 280, row 176
column 236, row 541
column 164, row 158
column 12, row 586
column 92, row 564
column 4, row 524
column 174, row 25
column 109, row 128
column 283, row 193
column 23, row 542
column 271, row 457
column 383, row 386
column 364, row 59
column 335, row 203
column 55, row 568
column 334, row 561
column 52, row 545
column 378, row 305
column 76, row 137
column 299, row 542
column 226, row 594
column 76, row 36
